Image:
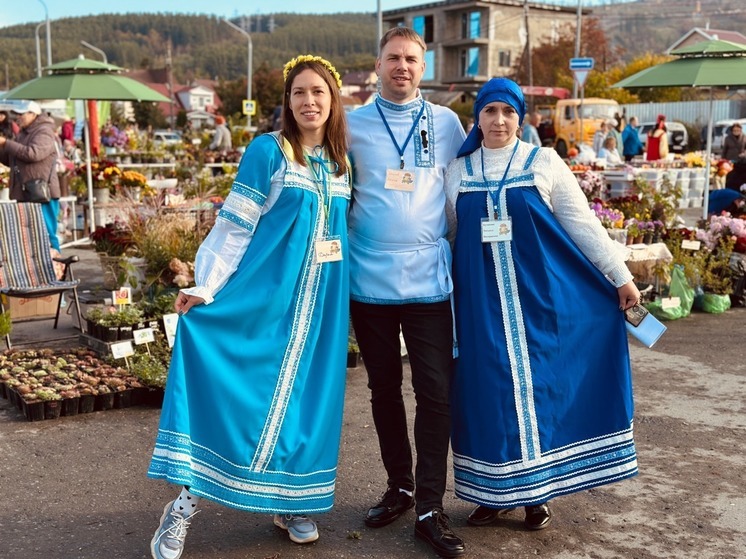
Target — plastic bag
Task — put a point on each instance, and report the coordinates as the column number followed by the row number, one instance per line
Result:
column 715, row 304
column 679, row 287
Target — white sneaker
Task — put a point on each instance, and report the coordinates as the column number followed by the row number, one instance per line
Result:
column 168, row 540
column 300, row 528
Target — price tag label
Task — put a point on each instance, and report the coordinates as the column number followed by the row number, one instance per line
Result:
column 143, row 336
column 122, row 296
column 670, row 302
column 120, row 350
column 691, row 245
column 169, row 325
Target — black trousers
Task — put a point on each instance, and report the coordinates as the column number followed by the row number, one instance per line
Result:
column 427, row 330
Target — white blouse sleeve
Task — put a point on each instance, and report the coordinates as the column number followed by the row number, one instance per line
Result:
column 452, row 182
column 561, row 191
column 221, row 252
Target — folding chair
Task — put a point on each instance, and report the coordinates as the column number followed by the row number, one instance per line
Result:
column 26, row 264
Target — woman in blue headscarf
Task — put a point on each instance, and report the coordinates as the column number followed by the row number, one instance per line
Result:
column 542, row 396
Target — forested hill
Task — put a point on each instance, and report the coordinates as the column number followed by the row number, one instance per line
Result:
column 201, row 46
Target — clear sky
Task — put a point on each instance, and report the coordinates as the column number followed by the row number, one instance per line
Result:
column 13, row 12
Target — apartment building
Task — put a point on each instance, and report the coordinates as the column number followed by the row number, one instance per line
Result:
column 471, row 41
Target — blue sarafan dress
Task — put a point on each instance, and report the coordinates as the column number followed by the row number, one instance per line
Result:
column 253, row 407
column 542, row 395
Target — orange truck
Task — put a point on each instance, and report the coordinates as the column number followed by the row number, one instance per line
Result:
column 573, row 121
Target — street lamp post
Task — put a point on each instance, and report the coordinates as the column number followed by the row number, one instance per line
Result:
column 95, row 49
column 577, row 44
column 38, row 51
column 248, row 75
column 49, row 34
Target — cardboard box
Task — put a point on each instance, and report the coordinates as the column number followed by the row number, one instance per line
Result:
column 21, row 308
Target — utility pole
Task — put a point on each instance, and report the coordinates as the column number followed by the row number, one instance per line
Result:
column 529, row 65
column 248, row 74
column 577, row 44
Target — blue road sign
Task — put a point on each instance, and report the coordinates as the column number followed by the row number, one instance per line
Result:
column 581, row 64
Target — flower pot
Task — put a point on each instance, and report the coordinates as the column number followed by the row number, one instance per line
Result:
column 102, row 195
column 110, row 333
column 104, row 401
column 70, row 406
column 647, row 238
column 87, row 403
column 111, row 268
column 34, row 411
column 125, row 332
column 52, row 409
column 123, row 399
column 4, row 194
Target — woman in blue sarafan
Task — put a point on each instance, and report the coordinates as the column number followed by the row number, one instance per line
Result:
column 542, row 396
column 253, row 406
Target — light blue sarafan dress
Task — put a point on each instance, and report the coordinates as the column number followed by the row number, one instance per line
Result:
column 253, row 408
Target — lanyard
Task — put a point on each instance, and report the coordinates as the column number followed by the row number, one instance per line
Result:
column 320, row 168
column 495, row 192
column 409, row 136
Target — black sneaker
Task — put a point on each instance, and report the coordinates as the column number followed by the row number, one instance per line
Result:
column 393, row 504
column 436, row 531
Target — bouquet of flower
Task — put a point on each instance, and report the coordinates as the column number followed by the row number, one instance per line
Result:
column 592, row 183
column 105, row 175
column 133, row 179
column 610, row 218
column 111, row 136
column 724, row 226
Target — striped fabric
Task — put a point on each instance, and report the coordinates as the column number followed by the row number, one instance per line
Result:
column 26, row 267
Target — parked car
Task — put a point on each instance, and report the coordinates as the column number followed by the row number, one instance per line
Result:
column 166, row 138
column 678, row 137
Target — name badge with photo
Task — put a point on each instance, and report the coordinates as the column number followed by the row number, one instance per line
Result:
column 399, row 179
column 328, row 250
column 497, row 231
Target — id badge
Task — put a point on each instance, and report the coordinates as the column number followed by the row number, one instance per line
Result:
column 328, row 249
column 498, row 230
column 399, row 179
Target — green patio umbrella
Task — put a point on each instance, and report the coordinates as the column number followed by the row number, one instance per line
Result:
column 711, row 64
column 80, row 78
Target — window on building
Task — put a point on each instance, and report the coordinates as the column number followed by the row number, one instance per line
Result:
column 470, row 62
column 471, row 25
column 423, row 26
column 429, row 74
column 503, row 58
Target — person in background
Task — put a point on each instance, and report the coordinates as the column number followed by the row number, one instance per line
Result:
column 33, row 155
column 222, row 140
column 599, row 137
column 400, row 279
column 530, row 130
column 609, row 152
column 657, row 141
column 613, row 129
column 631, row 144
column 8, row 128
column 734, row 144
column 67, row 131
column 252, row 414
column 542, row 393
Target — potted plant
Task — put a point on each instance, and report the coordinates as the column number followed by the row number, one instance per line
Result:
column 132, row 183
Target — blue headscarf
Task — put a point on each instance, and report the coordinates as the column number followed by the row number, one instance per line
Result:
column 497, row 89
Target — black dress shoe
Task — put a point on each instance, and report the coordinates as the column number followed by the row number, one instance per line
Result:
column 484, row 516
column 436, row 531
column 538, row 517
column 393, row 504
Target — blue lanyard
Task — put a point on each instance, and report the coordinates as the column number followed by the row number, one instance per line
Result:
column 320, row 168
column 495, row 192
column 409, row 136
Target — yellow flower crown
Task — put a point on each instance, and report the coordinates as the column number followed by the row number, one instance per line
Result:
column 310, row 58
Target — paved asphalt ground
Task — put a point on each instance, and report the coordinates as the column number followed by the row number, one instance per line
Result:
column 75, row 488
